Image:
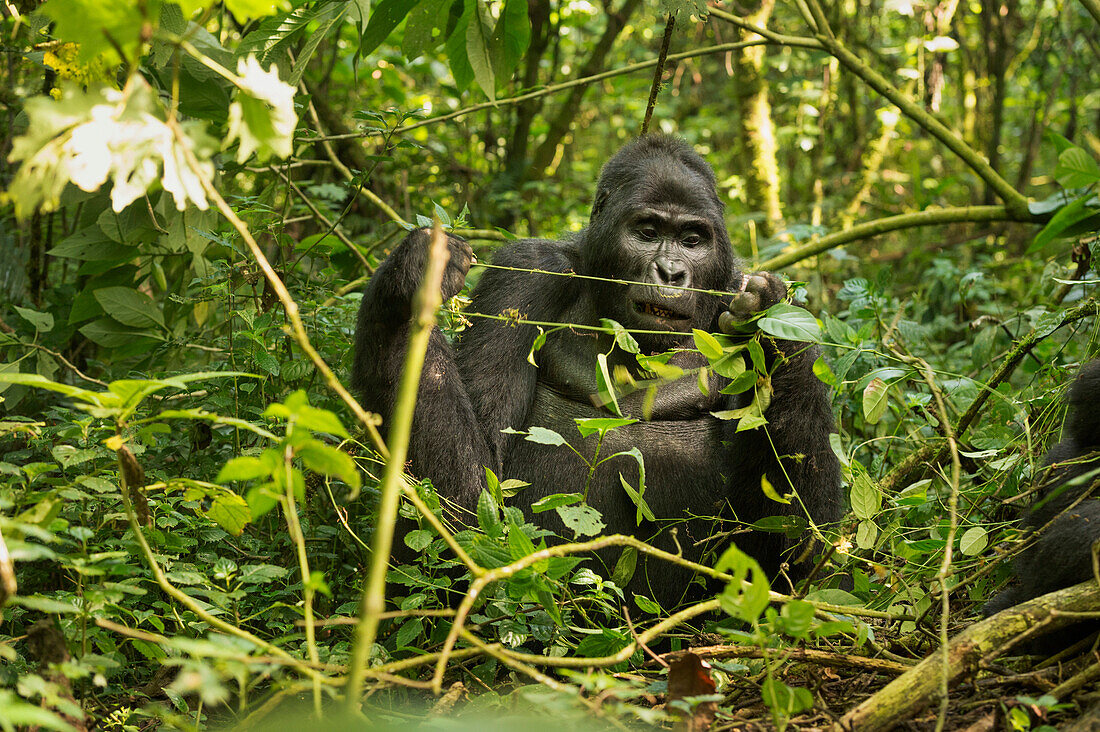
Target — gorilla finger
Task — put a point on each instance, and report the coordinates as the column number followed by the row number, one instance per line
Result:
column 744, row 303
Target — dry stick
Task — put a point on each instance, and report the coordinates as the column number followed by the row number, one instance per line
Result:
column 297, row 329
column 809, row 655
column 427, row 300
column 658, row 72
column 188, row 602
column 933, row 454
column 953, row 525
column 908, row 693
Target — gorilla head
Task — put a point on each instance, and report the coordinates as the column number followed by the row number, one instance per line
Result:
column 657, row 219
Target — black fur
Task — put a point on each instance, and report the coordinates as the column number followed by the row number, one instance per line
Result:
column 657, row 218
column 1062, row 553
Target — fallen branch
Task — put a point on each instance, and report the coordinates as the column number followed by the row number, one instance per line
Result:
column 917, row 688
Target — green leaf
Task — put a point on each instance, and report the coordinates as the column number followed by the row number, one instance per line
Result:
column 129, row 307
column 327, row 460
column 1076, row 169
column 246, row 10
column 974, row 541
column 623, row 339
column 418, row 540
column 605, row 386
column 230, row 512
column 790, row 323
column 511, row 37
column 96, row 26
column 643, row 509
column 519, row 544
column 731, row 365
column 91, row 244
column 591, row 425
column 554, row 500
column 488, row 516
column 456, row 47
column 477, row 50
column 770, row 492
column 583, row 520
column 424, row 29
column 866, row 535
column 875, row 400
column 544, row 436
column 835, row 597
column 707, row 345
column 646, row 605
column 335, row 13
column 865, row 495
column 243, row 468
column 383, row 19
column 625, row 567
column 42, row 322
column 823, row 373
column 1070, row 214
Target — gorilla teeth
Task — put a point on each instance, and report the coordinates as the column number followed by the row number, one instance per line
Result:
column 651, row 309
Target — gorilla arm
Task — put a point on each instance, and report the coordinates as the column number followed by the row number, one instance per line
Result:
column 447, row 444
column 792, row 450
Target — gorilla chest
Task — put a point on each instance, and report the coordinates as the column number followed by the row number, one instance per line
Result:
column 684, row 461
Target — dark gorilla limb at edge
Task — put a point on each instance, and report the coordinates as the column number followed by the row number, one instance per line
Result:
column 1067, row 512
column 657, row 219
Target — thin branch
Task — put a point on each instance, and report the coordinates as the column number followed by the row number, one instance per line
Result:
column 427, row 300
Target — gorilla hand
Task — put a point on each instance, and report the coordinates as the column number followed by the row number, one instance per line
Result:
column 408, row 260
column 759, row 291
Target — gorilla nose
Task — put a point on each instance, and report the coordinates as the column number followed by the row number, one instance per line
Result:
column 667, row 271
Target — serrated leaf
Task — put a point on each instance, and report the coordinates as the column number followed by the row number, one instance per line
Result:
column 865, row 496
column 544, row 436
column 488, row 516
column 230, row 512
column 327, row 460
column 418, row 540
column 582, row 520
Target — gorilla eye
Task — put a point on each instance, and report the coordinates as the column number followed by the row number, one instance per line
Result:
column 648, row 233
column 691, row 239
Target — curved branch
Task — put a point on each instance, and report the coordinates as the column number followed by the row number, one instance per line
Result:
column 928, row 217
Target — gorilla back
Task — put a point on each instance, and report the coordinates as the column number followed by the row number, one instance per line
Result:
column 1066, row 517
column 657, row 221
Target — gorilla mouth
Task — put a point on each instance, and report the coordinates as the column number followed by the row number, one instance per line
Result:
column 658, row 312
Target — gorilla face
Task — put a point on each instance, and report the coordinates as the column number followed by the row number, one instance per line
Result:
column 657, row 220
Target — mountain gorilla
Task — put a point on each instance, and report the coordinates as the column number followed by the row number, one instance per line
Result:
column 657, row 219
column 1062, row 553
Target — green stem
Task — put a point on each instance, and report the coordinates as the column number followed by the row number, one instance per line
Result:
column 928, row 217
column 294, row 527
column 592, row 465
column 427, row 300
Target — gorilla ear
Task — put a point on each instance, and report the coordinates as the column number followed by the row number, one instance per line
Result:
column 597, row 205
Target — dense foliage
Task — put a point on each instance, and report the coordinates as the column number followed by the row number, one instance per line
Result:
column 195, row 194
